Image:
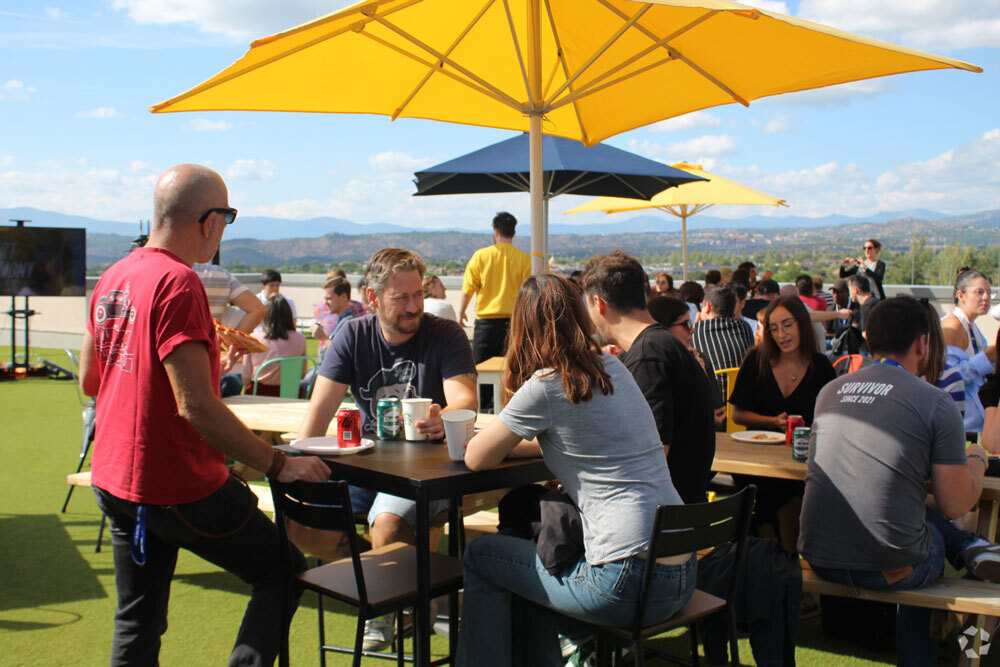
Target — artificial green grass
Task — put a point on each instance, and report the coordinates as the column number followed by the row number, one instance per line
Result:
column 57, row 595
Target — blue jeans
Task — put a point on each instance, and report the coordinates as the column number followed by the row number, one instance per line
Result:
column 499, row 629
column 914, row 644
column 206, row 527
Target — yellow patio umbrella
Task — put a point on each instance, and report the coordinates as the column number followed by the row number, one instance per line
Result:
column 686, row 200
column 582, row 69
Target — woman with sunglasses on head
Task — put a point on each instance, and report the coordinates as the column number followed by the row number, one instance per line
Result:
column 968, row 352
column 584, row 413
column 673, row 313
column 780, row 376
column 870, row 265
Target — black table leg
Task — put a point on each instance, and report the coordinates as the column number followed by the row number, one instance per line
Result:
column 422, row 636
column 456, row 533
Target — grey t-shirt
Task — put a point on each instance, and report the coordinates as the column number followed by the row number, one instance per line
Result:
column 876, row 434
column 606, row 452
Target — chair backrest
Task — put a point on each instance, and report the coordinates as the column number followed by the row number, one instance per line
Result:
column 728, row 377
column 290, row 375
column 319, row 505
column 681, row 529
column 850, row 362
column 74, row 362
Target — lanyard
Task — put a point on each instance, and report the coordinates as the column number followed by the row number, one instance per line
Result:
column 889, row 362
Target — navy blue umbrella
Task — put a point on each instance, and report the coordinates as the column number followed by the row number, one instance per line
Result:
column 568, row 167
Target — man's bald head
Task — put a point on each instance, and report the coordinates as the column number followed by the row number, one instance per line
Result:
column 184, row 193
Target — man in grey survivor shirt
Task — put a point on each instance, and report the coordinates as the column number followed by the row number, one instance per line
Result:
column 879, row 434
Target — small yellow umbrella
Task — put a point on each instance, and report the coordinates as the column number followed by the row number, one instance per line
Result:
column 581, row 69
column 686, row 200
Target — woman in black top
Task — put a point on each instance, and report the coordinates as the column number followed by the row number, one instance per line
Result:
column 780, row 376
column 873, row 267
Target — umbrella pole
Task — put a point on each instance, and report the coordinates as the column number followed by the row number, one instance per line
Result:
column 684, row 239
column 538, row 222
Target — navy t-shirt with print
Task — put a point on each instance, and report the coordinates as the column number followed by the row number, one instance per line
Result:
column 360, row 357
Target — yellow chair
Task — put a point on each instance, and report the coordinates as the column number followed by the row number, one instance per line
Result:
column 729, row 381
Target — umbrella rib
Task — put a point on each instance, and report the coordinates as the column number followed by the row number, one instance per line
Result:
column 594, row 85
column 596, row 89
column 629, row 186
column 561, row 58
column 601, row 50
column 489, row 91
column 517, row 50
column 652, row 35
column 427, row 76
column 445, row 60
column 513, row 181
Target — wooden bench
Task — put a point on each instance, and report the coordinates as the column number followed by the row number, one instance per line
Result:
column 961, row 596
column 968, row 596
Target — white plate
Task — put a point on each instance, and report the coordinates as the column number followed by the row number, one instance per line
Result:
column 754, row 437
column 327, row 446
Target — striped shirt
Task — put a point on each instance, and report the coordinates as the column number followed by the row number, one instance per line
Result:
column 952, row 383
column 724, row 341
column 221, row 287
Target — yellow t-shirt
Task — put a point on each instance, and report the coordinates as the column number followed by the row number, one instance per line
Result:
column 494, row 274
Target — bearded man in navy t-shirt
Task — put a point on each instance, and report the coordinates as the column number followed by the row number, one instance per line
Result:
column 401, row 352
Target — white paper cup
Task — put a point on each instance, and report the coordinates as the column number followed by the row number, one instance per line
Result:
column 414, row 410
column 459, row 427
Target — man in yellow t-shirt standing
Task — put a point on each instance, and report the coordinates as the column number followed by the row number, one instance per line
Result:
column 494, row 274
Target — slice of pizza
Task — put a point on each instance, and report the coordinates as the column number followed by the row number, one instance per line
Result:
column 238, row 339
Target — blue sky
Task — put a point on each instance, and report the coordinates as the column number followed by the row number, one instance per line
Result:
column 76, row 137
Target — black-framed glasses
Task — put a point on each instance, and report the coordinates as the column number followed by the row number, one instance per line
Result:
column 229, row 213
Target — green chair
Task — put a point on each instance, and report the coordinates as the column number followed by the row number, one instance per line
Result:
column 290, row 375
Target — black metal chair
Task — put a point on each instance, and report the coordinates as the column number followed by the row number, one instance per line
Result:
column 377, row 582
column 680, row 529
column 89, row 427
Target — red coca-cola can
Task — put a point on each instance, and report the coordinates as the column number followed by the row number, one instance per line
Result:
column 793, row 422
column 348, row 427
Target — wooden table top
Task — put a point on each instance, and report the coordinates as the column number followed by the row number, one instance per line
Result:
column 492, row 365
column 733, row 456
column 284, row 415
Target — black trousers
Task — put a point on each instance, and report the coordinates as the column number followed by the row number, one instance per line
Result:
column 489, row 339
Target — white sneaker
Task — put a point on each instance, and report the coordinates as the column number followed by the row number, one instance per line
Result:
column 379, row 633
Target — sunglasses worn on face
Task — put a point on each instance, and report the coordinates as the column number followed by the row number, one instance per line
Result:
column 229, row 213
column 687, row 324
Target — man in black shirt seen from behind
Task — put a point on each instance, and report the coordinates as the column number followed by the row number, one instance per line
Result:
column 674, row 384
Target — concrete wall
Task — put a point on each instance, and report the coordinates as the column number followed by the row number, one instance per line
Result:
column 60, row 321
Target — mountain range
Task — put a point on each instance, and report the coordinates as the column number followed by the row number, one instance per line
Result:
column 269, row 229
column 298, row 242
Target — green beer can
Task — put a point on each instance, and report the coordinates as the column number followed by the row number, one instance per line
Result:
column 388, row 419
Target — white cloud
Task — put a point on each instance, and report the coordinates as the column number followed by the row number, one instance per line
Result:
column 831, row 96
column 238, row 19
column 697, row 120
column 251, row 170
column 55, row 13
column 923, row 24
column 15, row 91
column 206, row 125
column 139, row 167
column 779, row 124
column 692, row 150
column 100, row 112
column 6, row 160
column 960, row 180
column 74, row 187
column 393, row 162
column 769, row 5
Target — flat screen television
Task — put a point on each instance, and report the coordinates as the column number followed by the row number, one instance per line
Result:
column 43, row 261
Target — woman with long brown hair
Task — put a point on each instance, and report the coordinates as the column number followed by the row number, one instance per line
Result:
column 584, row 413
column 780, row 376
